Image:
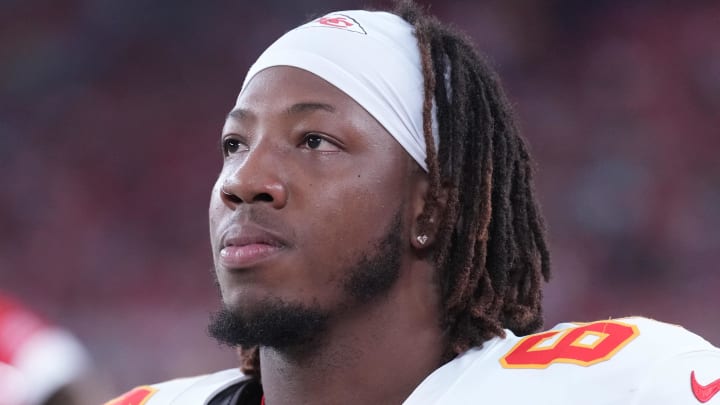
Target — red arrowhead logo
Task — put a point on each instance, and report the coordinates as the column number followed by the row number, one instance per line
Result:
column 337, row 21
column 704, row 393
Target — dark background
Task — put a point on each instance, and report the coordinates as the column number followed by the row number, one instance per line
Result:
column 110, row 115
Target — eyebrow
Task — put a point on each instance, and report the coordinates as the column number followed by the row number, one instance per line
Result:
column 295, row 109
column 300, row 108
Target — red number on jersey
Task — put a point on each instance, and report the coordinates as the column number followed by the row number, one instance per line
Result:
column 137, row 396
column 585, row 345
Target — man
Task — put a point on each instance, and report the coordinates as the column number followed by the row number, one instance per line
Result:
column 376, row 241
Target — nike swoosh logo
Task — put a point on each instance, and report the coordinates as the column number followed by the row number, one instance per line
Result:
column 704, row 393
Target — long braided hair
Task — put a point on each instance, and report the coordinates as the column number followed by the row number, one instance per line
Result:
column 490, row 249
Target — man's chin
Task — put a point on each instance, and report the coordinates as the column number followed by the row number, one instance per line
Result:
column 271, row 323
column 250, row 320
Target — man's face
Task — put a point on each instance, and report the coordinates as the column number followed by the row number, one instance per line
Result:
column 311, row 205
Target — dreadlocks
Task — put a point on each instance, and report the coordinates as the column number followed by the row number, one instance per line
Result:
column 490, row 251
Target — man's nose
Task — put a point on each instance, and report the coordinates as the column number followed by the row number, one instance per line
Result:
column 257, row 179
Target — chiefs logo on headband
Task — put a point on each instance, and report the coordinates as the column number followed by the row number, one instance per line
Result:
column 337, row 21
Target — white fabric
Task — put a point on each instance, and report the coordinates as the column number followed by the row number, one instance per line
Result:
column 186, row 391
column 373, row 57
column 49, row 360
column 654, row 366
column 194, row 391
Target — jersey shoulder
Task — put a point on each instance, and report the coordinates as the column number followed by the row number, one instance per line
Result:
column 678, row 366
column 190, row 390
column 635, row 334
column 632, row 343
column 609, row 361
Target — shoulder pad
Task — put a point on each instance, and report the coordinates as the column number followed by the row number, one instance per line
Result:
column 192, row 390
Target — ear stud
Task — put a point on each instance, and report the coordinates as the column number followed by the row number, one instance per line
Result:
column 422, row 239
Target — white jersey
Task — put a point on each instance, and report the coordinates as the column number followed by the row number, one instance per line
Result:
column 629, row 361
column 183, row 391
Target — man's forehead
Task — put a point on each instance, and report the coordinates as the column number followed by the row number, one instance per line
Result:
column 376, row 62
column 289, row 90
column 300, row 108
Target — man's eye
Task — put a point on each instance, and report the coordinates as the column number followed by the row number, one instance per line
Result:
column 313, row 141
column 317, row 142
column 231, row 145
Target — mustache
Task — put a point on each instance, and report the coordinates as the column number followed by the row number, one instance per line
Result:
column 260, row 217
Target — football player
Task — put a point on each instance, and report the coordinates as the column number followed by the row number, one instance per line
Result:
column 377, row 241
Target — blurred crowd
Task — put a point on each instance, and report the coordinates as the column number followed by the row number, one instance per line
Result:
column 110, row 114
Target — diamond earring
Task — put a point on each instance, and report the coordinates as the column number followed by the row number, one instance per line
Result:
column 422, row 239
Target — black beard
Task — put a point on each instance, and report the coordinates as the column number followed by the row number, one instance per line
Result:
column 283, row 325
column 279, row 324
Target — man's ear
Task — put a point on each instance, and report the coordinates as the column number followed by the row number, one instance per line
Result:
column 426, row 213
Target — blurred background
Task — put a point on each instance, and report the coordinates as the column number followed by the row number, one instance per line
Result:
column 110, row 116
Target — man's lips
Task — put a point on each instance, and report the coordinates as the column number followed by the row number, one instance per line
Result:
column 245, row 246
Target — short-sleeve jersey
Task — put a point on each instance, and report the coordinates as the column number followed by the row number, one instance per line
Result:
column 629, row 361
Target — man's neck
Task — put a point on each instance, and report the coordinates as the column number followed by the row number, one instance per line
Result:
column 375, row 356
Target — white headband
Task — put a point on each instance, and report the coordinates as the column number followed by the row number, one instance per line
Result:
column 373, row 57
